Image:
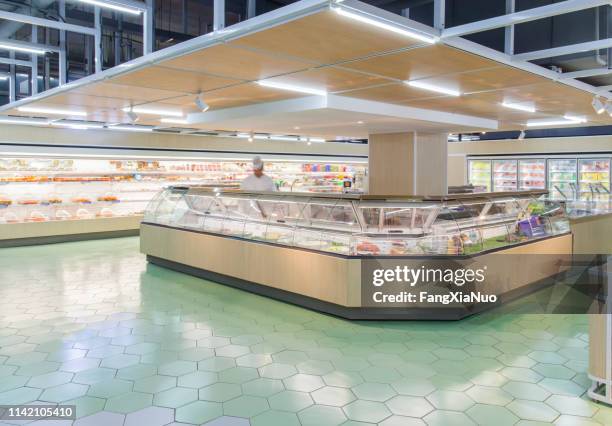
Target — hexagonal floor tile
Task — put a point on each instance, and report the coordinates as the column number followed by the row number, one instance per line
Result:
column 275, row 418
column 572, row 405
column 277, row 371
column 50, row 379
column 120, row 361
column 150, row 416
column 135, row 372
column 374, row 391
column 220, row 392
column 216, row 364
column 450, row 400
column 224, row 421
column 321, row 415
column 63, row 392
column 533, row 410
column 199, row 412
column 303, row 382
column 410, row 406
column 254, row 360
column 103, row 418
column 154, row 384
column 198, row 379
column 245, row 406
column 129, row 402
column 526, row 391
column 492, row 415
column 175, row 397
column 334, row 396
column 238, row 375
column 290, row 401
column 488, row 395
column 366, row 411
column 110, row 388
column 262, row 387
column 87, row 405
column 448, row 418
column 21, row 396
column 177, row 368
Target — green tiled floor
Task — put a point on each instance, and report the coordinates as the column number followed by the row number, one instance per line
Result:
column 92, row 324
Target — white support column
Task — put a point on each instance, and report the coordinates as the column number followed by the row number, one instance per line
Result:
column 218, row 15
column 509, row 30
column 97, row 39
column 439, row 14
column 251, row 8
column 63, row 62
column 12, row 79
column 34, row 72
column 148, row 28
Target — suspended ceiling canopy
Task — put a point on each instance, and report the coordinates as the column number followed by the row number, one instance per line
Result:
column 361, row 78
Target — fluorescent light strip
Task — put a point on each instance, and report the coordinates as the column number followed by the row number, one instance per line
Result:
column 4, row 77
column 131, row 128
column 292, row 88
column 113, row 6
column 432, row 88
column 77, row 126
column 389, row 27
column 174, row 121
column 52, row 111
column 25, row 49
column 153, row 111
column 567, row 120
column 520, row 107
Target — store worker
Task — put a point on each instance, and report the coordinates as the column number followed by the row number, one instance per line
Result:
column 258, row 181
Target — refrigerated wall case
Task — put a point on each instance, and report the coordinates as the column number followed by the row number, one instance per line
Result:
column 309, row 249
column 567, row 177
column 54, row 196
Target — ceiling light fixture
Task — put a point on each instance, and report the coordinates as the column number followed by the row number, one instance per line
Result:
column 520, row 107
column 174, row 121
column 199, row 101
column 292, row 88
column 566, row 120
column 23, row 121
column 76, row 125
column 250, row 137
column 133, row 116
column 598, row 105
column 432, row 88
column 4, row 77
column 153, row 111
column 21, row 48
column 387, row 26
column 51, row 111
column 113, row 6
column 521, row 135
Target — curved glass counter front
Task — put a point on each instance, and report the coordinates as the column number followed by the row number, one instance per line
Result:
column 355, row 225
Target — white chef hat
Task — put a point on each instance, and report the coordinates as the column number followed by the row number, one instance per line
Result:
column 257, row 163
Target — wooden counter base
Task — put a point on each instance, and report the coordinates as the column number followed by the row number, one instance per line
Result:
column 325, row 282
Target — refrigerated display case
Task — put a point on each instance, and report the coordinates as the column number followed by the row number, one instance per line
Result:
column 504, row 175
column 593, row 178
column 35, row 190
column 269, row 238
column 479, row 175
column 532, row 174
column 563, row 179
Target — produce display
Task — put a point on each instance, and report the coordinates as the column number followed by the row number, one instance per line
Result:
column 362, row 227
column 39, row 189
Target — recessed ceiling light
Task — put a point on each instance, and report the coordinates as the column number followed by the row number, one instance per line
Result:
column 520, row 107
column 52, row 111
column 433, row 88
column 360, row 122
column 113, row 6
column 131, row 128
column 21, row 48
column 76, row 125
column 152, row 110
column 389, row 27
column 292, row 88
column 296, row 128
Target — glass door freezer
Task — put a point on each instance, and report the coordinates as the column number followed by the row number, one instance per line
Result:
column 562, row 178
column 532, row 174
column 593, row 178
column 479, row 174
column 505, row 175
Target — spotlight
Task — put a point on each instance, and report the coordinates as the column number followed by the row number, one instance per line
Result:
column 202, row 106
column 133, row 116
column 598, row 105
column 250, row 137
column 521, row 135
column 608, row 108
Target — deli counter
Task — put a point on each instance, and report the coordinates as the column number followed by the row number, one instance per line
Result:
column 320, row 251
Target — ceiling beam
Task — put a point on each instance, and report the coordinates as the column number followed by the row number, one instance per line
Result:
column 528, row 15
column 28, row 45
column 564, row 50
column 604, row 88
column 587, row 73
column 18, row 62
column 41, row 22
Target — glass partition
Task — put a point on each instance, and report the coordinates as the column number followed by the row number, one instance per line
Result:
column 358, row 226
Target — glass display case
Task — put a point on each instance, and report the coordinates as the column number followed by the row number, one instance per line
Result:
column 480, row 174
column 532, row 174
column 504, row 175
column 593, row 178
column 41, row 189
column 356, row 225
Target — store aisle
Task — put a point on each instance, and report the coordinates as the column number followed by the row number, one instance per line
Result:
column 91, row 324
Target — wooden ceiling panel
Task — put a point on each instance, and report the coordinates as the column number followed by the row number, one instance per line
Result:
column 236, row 63
column 325, row 38
column 330, row 79
column 127, row 93
column 71, row 99
column 173, row 81
column 394, row 93
column 420, row 63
